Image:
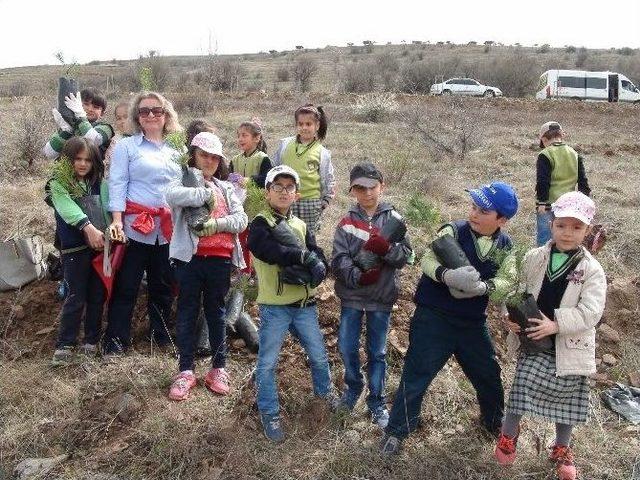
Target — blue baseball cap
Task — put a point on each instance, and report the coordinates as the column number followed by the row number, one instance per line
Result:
column 497, row 196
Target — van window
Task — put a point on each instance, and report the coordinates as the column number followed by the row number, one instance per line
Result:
column 627, row 85
column 572, row 82
column 543, row 81
column 594, row 82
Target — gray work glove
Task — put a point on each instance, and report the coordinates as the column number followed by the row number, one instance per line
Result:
column 476, row 290
column 462, row 278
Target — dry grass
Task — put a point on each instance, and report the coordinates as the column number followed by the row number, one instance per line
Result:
column 45, row 412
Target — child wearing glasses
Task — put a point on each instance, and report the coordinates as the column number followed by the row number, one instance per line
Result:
column 305, row 153
column 203, row 261
column 289, row 266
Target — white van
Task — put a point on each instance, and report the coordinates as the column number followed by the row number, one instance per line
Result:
column 583, row 85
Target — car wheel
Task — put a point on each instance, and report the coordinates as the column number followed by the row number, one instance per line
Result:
column 489, row 93
column 446, row 92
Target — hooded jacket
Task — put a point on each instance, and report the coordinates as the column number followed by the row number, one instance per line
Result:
column 352, row 232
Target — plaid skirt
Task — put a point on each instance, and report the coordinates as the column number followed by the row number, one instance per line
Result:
column 309, row 211
column 536, row 390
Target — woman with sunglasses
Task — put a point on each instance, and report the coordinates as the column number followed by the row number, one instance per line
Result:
column 141, row 168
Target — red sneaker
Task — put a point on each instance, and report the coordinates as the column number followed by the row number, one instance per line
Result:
column 505, row 451
column 181, row 386
column 217, row 380
column 563, row 456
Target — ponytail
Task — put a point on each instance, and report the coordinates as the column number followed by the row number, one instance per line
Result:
column 318, row 112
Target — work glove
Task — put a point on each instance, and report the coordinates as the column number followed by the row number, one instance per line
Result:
column 462, row 278
column 316, row 267
column 377, row 244
column 370, row 277
column 61, row 122
column 74, row 103
column 478, row 289
column 208, row 228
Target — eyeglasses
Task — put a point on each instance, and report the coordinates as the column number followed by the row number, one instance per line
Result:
column 276, row 187
column 145, row 111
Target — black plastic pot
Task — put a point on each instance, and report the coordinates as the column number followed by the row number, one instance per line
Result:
column 233, row 308
column 92, row 207
column 520, row 313
column 248, row 332
column 65, row 87
column 194, row 216
column 449, row 252
column 393, row 231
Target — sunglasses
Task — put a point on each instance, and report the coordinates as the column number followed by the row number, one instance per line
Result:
column 276, row 187
column 156, row 111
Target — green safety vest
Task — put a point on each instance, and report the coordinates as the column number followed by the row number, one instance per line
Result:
column 248, row 166
column 271, row 291
column 564, row 169
column 307, row 166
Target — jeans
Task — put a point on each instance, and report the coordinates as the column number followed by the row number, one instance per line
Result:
column 543, row 222
column 206, row 280
column 377, row 326
column 138, row 258
column 274, row 325
column 432, row 341
column 84, row 289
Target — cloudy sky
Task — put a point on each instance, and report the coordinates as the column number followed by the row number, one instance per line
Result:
column 32, row 31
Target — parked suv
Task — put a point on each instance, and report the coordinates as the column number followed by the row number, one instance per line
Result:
column 464, row 86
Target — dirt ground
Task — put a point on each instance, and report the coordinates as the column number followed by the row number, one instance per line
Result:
column 113, row 418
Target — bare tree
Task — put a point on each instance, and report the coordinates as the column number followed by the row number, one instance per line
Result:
column 304, row 68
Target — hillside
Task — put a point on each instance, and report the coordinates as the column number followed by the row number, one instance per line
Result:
column 113, row 420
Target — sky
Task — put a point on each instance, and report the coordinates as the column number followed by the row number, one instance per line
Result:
column 32, row 31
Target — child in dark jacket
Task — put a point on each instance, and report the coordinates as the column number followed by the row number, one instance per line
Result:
column 79, row 196
column 366, row 291
column 450, row 316
column 284, row 302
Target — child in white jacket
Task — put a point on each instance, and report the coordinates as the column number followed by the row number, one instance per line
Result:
column 570, row 288
column 203, row 261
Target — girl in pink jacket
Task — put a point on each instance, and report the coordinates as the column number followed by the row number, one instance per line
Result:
column 570, row 288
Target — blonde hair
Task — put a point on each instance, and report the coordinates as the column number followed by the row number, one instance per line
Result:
column 171, row 123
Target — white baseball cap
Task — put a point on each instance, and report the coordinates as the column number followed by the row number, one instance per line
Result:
column 281, row 170
column 209, row 142
column 574, row 205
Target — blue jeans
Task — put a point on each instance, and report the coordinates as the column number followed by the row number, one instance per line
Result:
column 376, row 347
column 433, row 339
column 543, row 221
column 275, row 321
column 203, row 280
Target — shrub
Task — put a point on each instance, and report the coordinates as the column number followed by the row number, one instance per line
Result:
column 220, row 74
column 581, row 57
column 282, row 74
column 416, row 77
column 388, row 67
column 30, row 131
column 627, row 51
column 303, row 70
column 570, row 49
column 515, row 75
column 420, row 212
column 358, row 77
column 196, row 103
column 375, row 107
column 545, row 48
